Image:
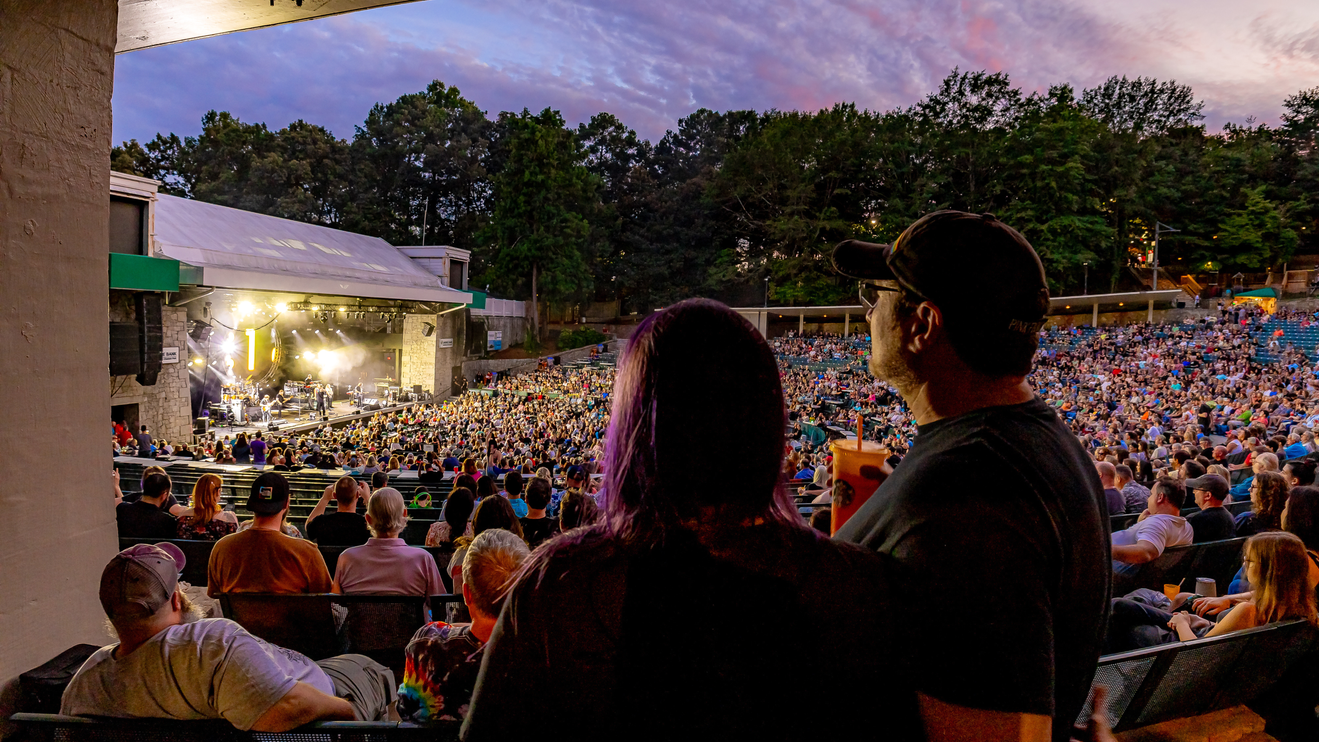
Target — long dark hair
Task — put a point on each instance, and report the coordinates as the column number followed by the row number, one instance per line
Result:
column 696, row 378
column 458, row 510
column 1303, row 515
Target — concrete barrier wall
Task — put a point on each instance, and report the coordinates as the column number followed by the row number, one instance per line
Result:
column 515, row 366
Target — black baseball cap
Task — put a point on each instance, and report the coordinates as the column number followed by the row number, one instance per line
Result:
column 270, row 494
column 1211, row 483
column 984, row 277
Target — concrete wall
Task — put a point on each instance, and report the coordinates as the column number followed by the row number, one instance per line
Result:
column 165, row 408
column 418, row 352
column 515, row 366
column 452, row 326
column 57, row 530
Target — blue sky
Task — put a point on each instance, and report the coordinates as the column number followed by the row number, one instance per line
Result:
column 652, row 63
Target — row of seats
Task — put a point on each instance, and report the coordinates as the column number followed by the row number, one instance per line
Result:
column 198, row 556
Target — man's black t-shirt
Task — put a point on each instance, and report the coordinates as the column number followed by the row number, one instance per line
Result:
column 999, row 524
column 1212, row 524
column 339, row 529
column 143, row 520
column 589, row 640
column 537, row 530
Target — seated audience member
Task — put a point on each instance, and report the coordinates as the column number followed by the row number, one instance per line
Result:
column 146, row 517
column 822, row 520
column 1260, row 462
column 170, row 505
column 457, row 519
column 443, row 659
column 513, row 491
column 1278, row 566
column 378, row 480
column 385, row 565
column 345, row 526
column 536, row 525
column 1213, row 522
column 207, row 521
column 577, row 509
column 1299, row 517
column 1134, row 494
column 262, row 559
column 1160, row 526
column 575, row 646
column 1112, row 497
column 1295, row 449
column 492, row 512
column 170, row 664
column 1268, row 496
column 1299, row 473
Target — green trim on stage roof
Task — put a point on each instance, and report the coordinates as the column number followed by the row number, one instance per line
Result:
column 1266, row 293
column 478, row 300
column 143, row 273
column 191, row 275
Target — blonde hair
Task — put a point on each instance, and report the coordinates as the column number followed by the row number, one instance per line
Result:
column 393, row 463
column 387, row 512
column 206, row 496
column 1282, row 592
column 1221, row 471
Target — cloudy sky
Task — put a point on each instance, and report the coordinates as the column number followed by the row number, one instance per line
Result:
column 651, row 63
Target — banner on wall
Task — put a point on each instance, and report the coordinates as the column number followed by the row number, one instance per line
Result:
column 494, row 340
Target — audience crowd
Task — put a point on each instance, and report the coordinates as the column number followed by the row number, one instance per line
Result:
column 1168, row 414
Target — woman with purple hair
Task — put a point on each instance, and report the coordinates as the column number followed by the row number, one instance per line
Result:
column 697, row 607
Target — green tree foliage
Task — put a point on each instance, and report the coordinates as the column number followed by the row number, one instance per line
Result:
column 728, row 199
column 539, row 235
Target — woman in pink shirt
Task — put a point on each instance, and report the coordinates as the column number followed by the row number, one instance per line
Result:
column 385, row 565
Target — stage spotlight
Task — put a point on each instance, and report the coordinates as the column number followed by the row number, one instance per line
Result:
column 343, row 309
column 281, row 307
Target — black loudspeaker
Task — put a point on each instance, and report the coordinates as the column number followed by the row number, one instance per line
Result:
column 272, row 426
column 125, row 358
column 200, row 425
column 201, row 332
column 151, row 337
column 427, row 329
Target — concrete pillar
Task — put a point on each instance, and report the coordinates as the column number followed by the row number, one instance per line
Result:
column 57, row 531
column 450, row 349
column 801, row 323
column 1151, row 315
column 1094, row 318
column 847, row 323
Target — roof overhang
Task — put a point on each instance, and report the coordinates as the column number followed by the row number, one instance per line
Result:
column 232, row 278
column 147, row 23
column 838, row 311
column 1065, row 304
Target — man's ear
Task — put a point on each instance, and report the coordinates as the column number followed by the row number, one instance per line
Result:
column 926, row 327
column 176, row 601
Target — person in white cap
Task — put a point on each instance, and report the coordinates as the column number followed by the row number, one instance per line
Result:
column 168, row 664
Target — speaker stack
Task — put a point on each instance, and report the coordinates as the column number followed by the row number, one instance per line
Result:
column 151, row 337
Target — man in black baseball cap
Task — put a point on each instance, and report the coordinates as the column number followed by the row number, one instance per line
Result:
column 955, row 306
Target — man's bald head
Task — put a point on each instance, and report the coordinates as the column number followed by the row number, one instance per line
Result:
column 1107, row 473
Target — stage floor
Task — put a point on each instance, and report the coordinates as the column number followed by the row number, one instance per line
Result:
column 340, row 414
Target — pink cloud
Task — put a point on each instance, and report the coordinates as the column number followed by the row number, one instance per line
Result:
column 648, row 63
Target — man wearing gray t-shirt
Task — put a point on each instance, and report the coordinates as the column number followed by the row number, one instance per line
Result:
column 169, row 665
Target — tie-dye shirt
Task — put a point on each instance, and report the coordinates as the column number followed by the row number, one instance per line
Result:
column 442, row 664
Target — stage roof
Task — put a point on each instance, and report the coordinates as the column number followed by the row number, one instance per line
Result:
column 1134, row 297
column 147, row 23
column 244, row 250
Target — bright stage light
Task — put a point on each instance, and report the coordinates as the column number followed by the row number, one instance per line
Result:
column 281, row 307
column 343, row 309
column 228, row 345
column 244, row 308
column 197, row 361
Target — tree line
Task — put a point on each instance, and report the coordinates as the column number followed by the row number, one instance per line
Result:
column 727, row 199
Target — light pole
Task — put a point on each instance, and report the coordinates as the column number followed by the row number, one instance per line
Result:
column 767, row 292
column 1085, row 287
column 1159, row 227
